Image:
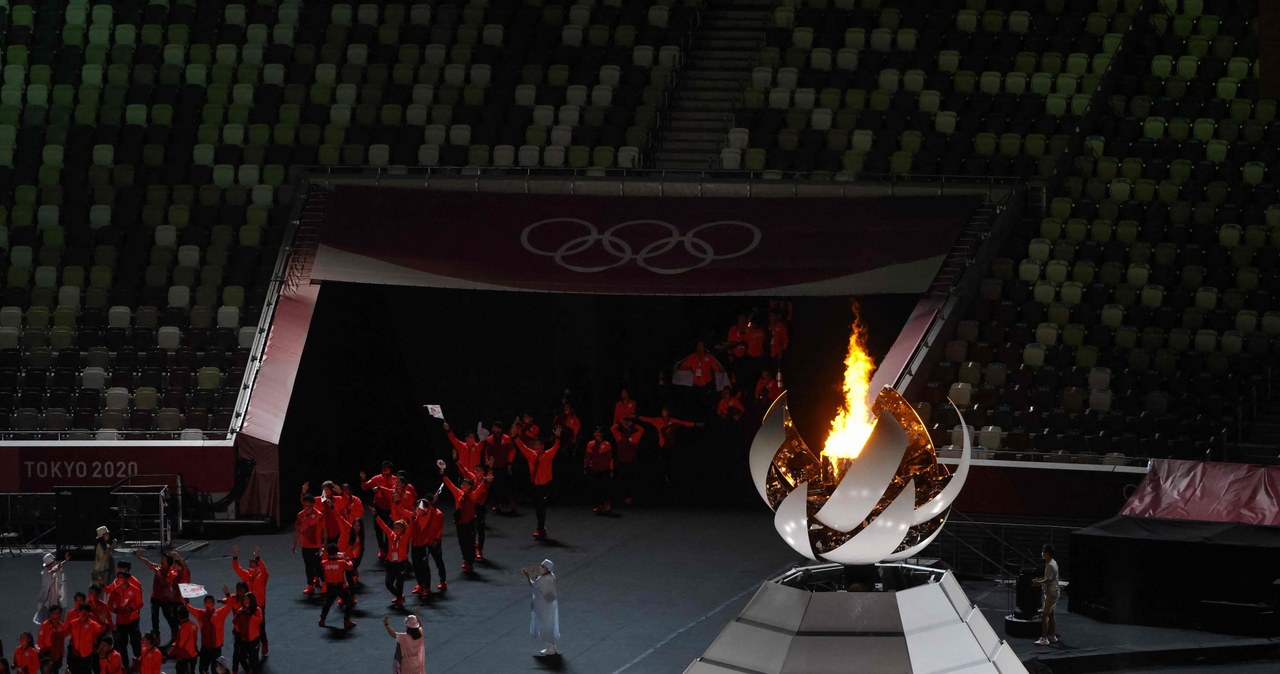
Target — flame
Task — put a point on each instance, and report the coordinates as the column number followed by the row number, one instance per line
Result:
column 854, row 420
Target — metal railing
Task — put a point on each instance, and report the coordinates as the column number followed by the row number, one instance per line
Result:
column 645, row 180
column 998, row 549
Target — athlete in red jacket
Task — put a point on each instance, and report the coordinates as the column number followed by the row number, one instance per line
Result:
column 541, row 463
column 246, row 625
column 730, row 408
column 212, row 621
column 83, row 631
column 625, row 407
column 51, row 639
column 468, row 501
column 667, row 426
column 336, row 569
column 151, row 659
column 767, row 388
column 186, row 644
column 779, row 335
column 381, row 500
column 397, row 559
column 500, row 453
column 99, row 608
column 125, row 598
column 256, row 576
column 308, row 531
column 351, row 508
column 469, row 453
column 703, row 366
column 570, row 425
column 627, row 436
column 26, row 658
column 109, row 661
column 427, row 532
column 598, row 466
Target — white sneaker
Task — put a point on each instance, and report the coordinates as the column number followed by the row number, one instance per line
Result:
column 1042, row 641
column 1055, row 639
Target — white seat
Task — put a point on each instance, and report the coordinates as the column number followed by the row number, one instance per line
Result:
column 424, row 94
column 989, row 437
column 168, row 337
column 166, row 235
column 228, row 316
column 561, row 135
column 553, row 156
column 569, row 115
column 180, row 296
column 629, row 157
column 93, row 378
column 116, row 398
column 788, row 78
column 119, row 317
column 544, row 115
column 739, row 138
column 504, row 155
column 731, row 158
column 529, row 155
column 69, row 296
column 576, row 94
column 434, row 134
column 11, row 317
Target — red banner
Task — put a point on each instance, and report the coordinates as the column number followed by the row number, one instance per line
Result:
column 637, row 245
column 1209, row 492
column 41, row 468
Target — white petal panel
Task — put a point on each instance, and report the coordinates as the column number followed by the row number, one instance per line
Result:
column 948, row 495
column 792, row 521
column 766, row 443
column 884, row 534
column 871, row 473
column 915, row 549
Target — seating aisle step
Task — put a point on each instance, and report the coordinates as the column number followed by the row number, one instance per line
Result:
column 716, row 70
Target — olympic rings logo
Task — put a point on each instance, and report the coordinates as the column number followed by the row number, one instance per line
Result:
column 624, row 252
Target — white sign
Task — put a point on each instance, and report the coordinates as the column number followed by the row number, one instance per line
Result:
column 191, row 590
column 435, row 411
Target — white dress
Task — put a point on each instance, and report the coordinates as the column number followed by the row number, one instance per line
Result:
column 411, row 655
column 544, row 610
column 51, row 583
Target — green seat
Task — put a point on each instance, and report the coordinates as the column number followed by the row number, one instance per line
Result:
column 208, row 379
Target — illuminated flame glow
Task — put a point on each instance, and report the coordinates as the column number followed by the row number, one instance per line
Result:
column 854, row 420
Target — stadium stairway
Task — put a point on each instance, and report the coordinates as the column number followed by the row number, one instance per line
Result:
column 726, row 43
column 1261, row 443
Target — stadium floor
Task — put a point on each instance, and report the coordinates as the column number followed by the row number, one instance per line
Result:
column 644, row 592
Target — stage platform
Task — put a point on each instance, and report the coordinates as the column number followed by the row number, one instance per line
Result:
column 642, row 592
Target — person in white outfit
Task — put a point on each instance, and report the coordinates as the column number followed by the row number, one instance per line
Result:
column 411, row 650
column 544, row 608
column 52, row 580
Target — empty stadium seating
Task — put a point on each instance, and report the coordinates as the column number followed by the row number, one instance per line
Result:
column 957, row 88
column 1137, row 318
column 147, row 151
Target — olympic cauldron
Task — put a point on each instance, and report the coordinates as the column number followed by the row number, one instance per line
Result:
column 860, row 608
column 888, row 504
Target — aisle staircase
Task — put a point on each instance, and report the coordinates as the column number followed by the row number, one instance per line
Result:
column 711, row 82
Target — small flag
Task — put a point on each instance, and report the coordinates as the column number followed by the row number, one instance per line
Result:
column 191, row 590
column 435, row 411
column 481, row 432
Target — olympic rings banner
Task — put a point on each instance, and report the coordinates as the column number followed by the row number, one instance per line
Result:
column 637, row 245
